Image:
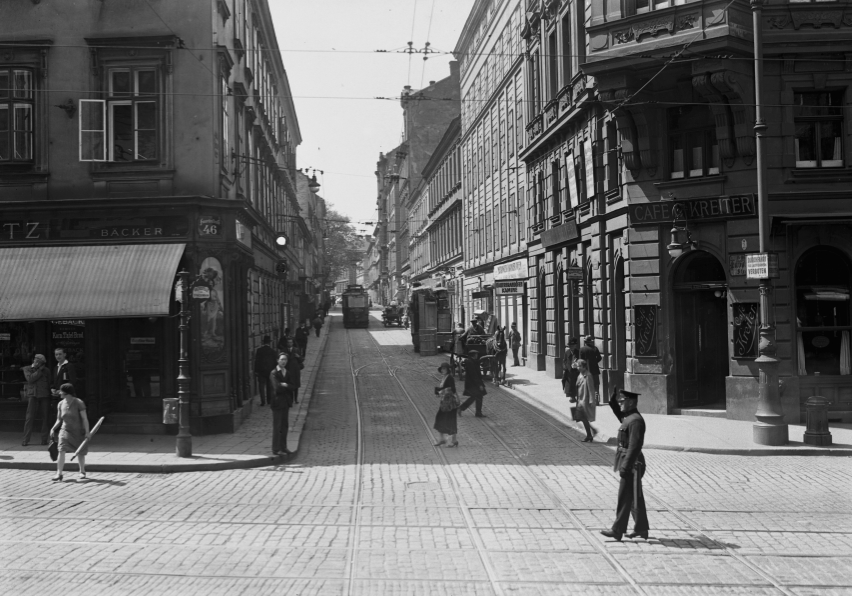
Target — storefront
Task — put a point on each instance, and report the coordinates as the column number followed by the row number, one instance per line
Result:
column 510, row 298
column 98, row 281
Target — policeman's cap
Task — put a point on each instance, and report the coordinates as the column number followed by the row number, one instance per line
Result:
column 628, row 394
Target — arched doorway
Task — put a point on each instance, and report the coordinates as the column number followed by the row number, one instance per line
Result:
column 701, row 350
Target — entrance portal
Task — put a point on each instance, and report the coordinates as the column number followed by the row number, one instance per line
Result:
column 701, row 349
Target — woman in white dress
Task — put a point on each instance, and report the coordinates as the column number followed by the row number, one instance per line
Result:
column 586, row 404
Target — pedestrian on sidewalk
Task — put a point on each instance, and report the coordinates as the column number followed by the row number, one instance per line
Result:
column 586, row 402
column 303, row 331
column 65, row 372
column 630, row 467
column 446, row 420
column 279, row 379
column 590, row 353
column 295, row 364
column 457, row 356
column 72, row 424
column 318, row 324
column 282, row 341
column 37, row 391
column 515, row 340
column 474, row 386
column 569, row 371
column 265, row 359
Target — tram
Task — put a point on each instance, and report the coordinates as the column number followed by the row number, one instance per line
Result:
column 356, row 313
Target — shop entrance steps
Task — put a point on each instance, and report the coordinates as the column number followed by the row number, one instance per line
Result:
column 710, row 412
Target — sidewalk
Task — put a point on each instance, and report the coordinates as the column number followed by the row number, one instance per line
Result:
column 674, row 433
column 249, row 447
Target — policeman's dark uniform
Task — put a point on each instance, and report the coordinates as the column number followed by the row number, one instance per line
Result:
column 630, row 465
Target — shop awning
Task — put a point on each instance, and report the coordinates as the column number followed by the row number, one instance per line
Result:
column 87, row 282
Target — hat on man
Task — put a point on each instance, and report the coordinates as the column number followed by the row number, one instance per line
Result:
column 629, row 394
column 444, row 365
column 590, row 339
column 479, row 312
column 572, row 341
column 40, row 357
column 266, row 339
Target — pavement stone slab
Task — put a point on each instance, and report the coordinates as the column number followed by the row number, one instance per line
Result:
column 563, row 567
column 432, row 565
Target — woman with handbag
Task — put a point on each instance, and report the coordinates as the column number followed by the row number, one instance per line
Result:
column 569, row 371
column 586, row 402
column 73, row 427
column 446, row 421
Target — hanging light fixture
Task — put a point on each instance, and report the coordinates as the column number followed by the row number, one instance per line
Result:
column 681, row 237
column 313, row 185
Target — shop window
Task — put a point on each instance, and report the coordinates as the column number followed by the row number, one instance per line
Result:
column 17, row 111
column 823, row 313
column 819, row 129
column 693, row 149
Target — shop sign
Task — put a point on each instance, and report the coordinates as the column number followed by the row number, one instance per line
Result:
column 762, row 266
column 508, row 288
column 483, row 294
column 145, row 341
column 728, row 207
column 737, row 265
column 574, row 272
column 564, row 233
column 22, row 228
column 5, row 337
column 645, row 325
column 516, row 269
column 201, row 292
column 210, row 225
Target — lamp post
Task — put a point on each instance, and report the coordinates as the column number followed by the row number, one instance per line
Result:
column 183, row 443
column 770, row 428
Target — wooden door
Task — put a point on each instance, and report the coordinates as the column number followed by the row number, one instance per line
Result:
column 702, row 353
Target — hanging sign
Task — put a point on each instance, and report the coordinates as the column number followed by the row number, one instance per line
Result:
column 574, row 272
column 762, row 266
column 201, row 292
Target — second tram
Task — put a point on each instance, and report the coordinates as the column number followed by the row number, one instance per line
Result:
column 356, row 312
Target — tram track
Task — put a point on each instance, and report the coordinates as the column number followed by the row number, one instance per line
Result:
column 604, row 459
column 359, row 461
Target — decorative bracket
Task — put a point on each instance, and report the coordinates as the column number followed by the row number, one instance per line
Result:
column 739, row 91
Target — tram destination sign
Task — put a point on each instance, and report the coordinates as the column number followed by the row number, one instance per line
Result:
column 728, row 207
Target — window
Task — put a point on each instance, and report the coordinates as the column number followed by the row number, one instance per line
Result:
column 693, row 149
column 566, row 49
column 226, row 121
column 16, row 115
column 535, row 90
column 555, row 172
column 126, row 129
column 819, row 129
column 553, row 65
column 823, row 312
column 613, row 181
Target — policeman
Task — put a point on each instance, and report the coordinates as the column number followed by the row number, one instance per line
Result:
column 630, row 466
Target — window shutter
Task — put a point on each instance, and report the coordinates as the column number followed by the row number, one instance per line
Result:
column 93, row 130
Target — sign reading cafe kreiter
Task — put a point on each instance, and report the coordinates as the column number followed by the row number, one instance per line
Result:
column 731, row 207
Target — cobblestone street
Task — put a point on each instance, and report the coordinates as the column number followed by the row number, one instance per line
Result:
column 370, row 507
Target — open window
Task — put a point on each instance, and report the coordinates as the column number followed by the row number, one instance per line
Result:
column 17, row 115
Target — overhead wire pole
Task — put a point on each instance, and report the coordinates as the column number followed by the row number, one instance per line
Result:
column 770, row 428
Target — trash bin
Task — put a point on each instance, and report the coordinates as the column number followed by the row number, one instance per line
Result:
column 170, row 410
column 816, row 430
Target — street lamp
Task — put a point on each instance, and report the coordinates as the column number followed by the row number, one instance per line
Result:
column 183, row 443
column 770, row 428
column 681, row 237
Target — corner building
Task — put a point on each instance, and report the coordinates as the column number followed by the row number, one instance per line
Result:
column 685, row 136
column 172, row 146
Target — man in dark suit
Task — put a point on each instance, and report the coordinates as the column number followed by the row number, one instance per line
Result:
column 590, row 353
column 280, row 398
column 303, row 331
column 265, row 360
column 630, row 466
column 64, row 372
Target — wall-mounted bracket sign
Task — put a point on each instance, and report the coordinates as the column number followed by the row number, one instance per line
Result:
column 645, row 325
column 695, row 210
column 762, row 266
column 574, row 272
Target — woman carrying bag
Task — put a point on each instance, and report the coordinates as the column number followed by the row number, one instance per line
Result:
column 73, row 427
column 586, row 402
column 446, row 421
column 569, row 371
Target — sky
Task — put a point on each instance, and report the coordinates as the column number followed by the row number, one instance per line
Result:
column 328, row 49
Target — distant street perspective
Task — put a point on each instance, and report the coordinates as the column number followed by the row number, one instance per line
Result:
column 370, row 506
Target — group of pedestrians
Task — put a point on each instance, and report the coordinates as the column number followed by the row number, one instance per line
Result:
column 279, row 375
column 581, row 384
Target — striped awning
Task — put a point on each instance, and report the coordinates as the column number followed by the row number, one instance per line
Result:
column 87, row 282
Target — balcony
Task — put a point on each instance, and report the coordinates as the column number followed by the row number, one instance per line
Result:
column 710, row 24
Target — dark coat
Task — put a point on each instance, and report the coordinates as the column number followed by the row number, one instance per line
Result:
column 265, row 359
column 473, row 384
column 294, row 366
column 65, row 374
column 569, row 373
column 282, row 397
column 592, row 355
column 631, row 438
column 301, row 335
column 38, row 381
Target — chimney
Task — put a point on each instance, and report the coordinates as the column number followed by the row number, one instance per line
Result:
column 454, row 69
column 431, row 83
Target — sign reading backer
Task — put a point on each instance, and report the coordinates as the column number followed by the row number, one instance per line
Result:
column 762, row 266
